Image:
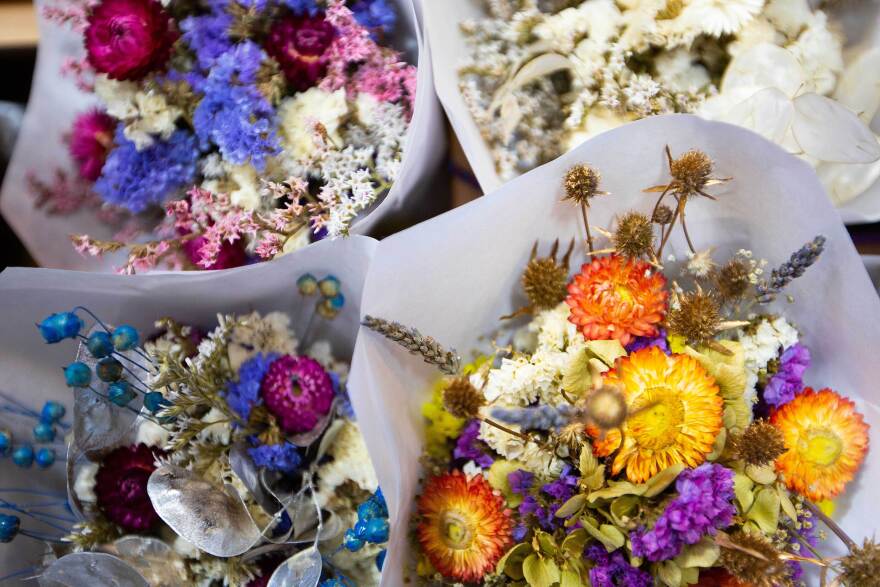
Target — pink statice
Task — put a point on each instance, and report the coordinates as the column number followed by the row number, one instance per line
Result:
column 63, row 195
column 72, row 13
column 81, row 71
column 270, row 246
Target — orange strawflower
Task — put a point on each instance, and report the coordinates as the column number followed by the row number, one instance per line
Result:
column 826, row 439
column 465, row 526
column 617, row 298
column 675, row 414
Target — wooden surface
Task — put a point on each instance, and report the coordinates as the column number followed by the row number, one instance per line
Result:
column 18, row 24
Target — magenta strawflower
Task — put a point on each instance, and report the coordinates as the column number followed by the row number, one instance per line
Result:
column 298, row 392
column 121, row 487
column 90, row 139
column 127, row 39
column 299, row 45
column 703, row 506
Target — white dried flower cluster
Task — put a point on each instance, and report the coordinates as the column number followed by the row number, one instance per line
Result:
column 542, row 77
column 145, row 114
column 767, row 340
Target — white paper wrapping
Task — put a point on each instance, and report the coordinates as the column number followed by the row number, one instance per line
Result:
column 55, row 102
column 860, row 20
column 453, row 276
column 32, row 370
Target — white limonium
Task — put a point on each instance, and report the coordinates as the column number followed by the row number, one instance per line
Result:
column 301, row 113
column 769, row 338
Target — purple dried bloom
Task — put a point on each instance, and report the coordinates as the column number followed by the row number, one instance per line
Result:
column 244, row 394
column 468, row 446
column 789, row 378
column 645, row 342
column 703, row 506
column 562, row 488
column 208, row 36
column 613, row 570
column 521, row 481
column 284, row 457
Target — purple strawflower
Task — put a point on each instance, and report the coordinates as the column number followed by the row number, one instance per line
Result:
column 468, row 446
column 521, row 481
column 703, row 506
column 645, row 342
column 136, row 179
column 233, row 114
column 613, row 570
column 283, row 457
column 375, row 15
column 244, row 394
column 788, row 380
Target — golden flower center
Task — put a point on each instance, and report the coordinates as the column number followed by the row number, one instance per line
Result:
column 456, row 531
column 821, row 447
column 657, row 417
column 623, row 293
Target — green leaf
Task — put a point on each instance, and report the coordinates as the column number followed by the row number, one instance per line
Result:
column 608, row 541
column 511, row 563
column 588, row 461
column 606, row 351
column 569, row 577
column 669, row 573
column 703, row 554
column 622, row 507
column 742, row 487
column 576, row 375
column 662, row 480
column 616, row 489
column 572, row 506
column 689, row 576
column 594, row 481
column 615, row 536
column 540, row 572
column 546, row 543
column 497, row 478
column 765, row 511
column 718, row 447
column 574, row 543
column 785, row 502
column 762, row 475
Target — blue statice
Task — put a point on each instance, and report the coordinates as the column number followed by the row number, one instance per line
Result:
column 302, row 7
column 208, row 36
column 376, row 15
column 344, row 407
column 137, row 179
column 233, row 114
column 244, row 394
column 284, row 457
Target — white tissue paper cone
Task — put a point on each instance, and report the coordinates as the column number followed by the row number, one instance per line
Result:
column 31, row 370
column 55, row 102
column 454, row 276
column 858, row 21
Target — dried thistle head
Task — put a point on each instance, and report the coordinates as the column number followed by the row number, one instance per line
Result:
column 462, row 399
column 691, row 172
column 862, row 565
column 662, row 215
column 634, row 235
column 605, row 407
column 753, row 560
column 581, row 184
column 759, row 444
column 696, row 318
column 732, row 280
column 545, row 280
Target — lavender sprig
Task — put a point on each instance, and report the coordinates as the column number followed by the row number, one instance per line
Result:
column 783, row 275
column 543, row 417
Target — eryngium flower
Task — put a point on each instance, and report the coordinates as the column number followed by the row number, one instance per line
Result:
column 545, row 279
column 755, row 561
column 732, row 280
column 696, row 318
column 634, row 235
column 691, row 171
column 462, row 399
column 581, row 183
column 862, row 565
column 760, row 444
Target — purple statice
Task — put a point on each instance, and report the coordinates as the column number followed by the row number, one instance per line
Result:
column 136, row 179
column 521, row 481
column 468, row 446
column 532, row 506
column 376, row 15
column 704, row 505
column 563, row 487
column 788, row 380
column 645, row 342
column 208, row 35
column 302, row 7
column 244, row 394
column 284, row 457
column 233, row 114
column 804, row 531
column 613, row 570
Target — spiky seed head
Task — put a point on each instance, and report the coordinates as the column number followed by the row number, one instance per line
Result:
column 691, row 171
column 662, row 215
column 755, row 561
column 732, row 280
column 581, row 184
column 462, row 399
column 761, row 443
column 862, row 565
column 634, row 236
column 545, row 282
column 605, row 407
column 696, row 318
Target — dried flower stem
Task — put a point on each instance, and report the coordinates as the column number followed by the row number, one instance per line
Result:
column 587, row 228
column 521, row 435
column 832, row 525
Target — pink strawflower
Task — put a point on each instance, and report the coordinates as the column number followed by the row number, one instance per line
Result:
column 299, row 45
column 127, row 39
column 90, row 140
column 121, row 487
column 298, row 392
